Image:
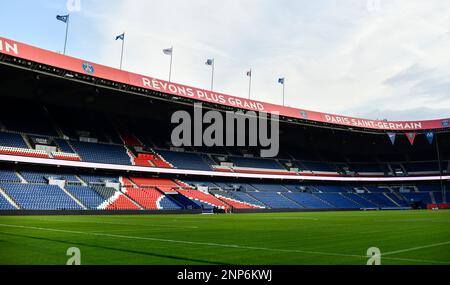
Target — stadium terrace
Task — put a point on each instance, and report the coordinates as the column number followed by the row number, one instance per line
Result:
column 114, row 152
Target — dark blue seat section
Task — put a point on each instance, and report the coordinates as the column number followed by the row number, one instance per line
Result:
column 367, row 168
column 185, row 160
column 400, row 201
column 86, row 195
column 184, row 202
column 439, row 197
column 40, row 197
column 429, row 187
column 275, row 200
column 379, row 199
column 64, row 146
column 315, row 166
column 235, row 186
column 5, row 205
column 8, row 176
column 244, row 197
column 376, row 189
column 201, row 183
column 421, row 167
column 43, row 177
column 338, row 200
column 167, row 204
column 360, row 200
column 308, row 200
column 421, row 197
column 255, row 163
column 101, row 153
column 269, row 187
column 332, row 188
column 96, row 179
column 12, row 140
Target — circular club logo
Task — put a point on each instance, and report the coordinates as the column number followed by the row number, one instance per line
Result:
column 304, row 115
column 88, row 68
column 446, row 123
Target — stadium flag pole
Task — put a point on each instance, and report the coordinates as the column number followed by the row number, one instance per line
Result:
column 212, row 75
column 444, row 198
column 170, row 69
column 121, row 53
column 249, row 74
column 67, row 32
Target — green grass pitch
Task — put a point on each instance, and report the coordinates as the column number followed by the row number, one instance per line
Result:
column 403, row 237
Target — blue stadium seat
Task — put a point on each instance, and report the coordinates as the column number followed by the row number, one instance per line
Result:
column 308, row 200
column 185, row 160
column 40, row 197
column 87, row 196
column 275, row 200
column 12, row 140
column 8, row 176
column 167, row 204
column 101, row 153
column 5, row 205
column 256, row 163
column 338, row 200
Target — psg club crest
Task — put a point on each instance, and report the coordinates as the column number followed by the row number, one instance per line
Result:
column 88, row 68
column 445, row 123
column 304, row 114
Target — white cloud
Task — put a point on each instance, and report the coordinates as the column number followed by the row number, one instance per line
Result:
column 337, row 56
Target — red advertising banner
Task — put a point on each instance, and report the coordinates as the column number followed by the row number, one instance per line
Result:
column 35, row 54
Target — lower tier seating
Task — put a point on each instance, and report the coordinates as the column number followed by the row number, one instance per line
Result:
column 40, row 197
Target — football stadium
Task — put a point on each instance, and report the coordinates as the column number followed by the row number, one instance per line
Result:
column 118, row 166
column 87, row 162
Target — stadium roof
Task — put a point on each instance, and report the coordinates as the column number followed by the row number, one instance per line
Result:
column 87, row 69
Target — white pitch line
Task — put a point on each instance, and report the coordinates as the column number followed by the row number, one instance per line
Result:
column 122, row 224
column 214, row 244
column 415, row 248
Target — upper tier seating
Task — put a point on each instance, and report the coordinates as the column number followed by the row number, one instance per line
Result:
column 255, row 163
column 40, row 197
column 315, row 167
column 185, row 160
column 331, row 188
column 12, row 140
column 64, row 146
column 8, row 176
column 101, row 153
column 308, row 200
column 275, row 200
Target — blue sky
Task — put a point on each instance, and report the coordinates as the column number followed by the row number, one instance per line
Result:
column 370, row 58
